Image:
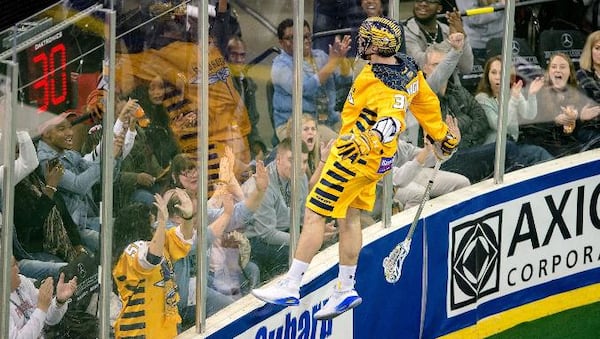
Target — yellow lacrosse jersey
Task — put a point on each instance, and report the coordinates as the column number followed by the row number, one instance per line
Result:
column 389, row 90
column 177, row 63
column 148, row 293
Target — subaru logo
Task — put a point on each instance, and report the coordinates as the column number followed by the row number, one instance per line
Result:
column 567, row 40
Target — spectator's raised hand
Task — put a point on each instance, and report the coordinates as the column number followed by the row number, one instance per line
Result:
column 228, row 204
column 46, row 291
column 452, row 123
column 95, row 104
column 330, row 230
column 64, row 290
column 325, row 149
column 185, row 205
column 53, row 173
column 261, row 176
column 226, row 168
column 340, row 47
column 589, row 112
column 118, row 142
column 536, row 85
column 455, row 22
column 160, row 202
column 457, row 40
column 515, row 90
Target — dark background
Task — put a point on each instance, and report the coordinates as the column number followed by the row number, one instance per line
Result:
column 12, row 11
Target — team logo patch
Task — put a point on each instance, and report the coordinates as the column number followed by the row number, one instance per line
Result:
column 385, row 165
column 475, row 260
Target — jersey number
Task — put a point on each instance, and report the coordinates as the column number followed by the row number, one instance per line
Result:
column 399, row 101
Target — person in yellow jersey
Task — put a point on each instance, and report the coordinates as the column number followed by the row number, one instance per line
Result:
column 144, row 274
column 373, row 116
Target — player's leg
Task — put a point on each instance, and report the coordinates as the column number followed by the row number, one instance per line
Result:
column 344, row 295
column 287, row 291
column 338, row 187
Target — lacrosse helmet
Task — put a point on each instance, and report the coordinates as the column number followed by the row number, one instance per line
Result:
column 381, row 32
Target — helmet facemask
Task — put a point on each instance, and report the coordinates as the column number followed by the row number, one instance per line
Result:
column 363, row 45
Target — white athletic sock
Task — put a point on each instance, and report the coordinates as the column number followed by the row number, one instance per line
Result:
column 346, row 277
column 297, row 270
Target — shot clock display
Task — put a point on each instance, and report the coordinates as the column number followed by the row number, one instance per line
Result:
column 47, row 69
column 51, row 69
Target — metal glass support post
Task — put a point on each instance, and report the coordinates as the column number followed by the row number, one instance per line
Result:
column 107, row 167
column 388, row 185
column 8, row 185
column 202, row 155
column 296, row 204
column 504, row 92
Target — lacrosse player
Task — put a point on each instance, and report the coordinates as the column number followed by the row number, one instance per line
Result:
column 372, row 118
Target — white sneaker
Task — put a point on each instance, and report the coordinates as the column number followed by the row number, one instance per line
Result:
column 285, row 293
column 338, row 303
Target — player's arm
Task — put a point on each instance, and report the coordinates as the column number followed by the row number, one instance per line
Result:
column 425, row 107
column 367, row 135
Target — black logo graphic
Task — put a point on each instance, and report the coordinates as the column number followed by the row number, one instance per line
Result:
column 566, row 40
column 475, row 256
column 516, row 47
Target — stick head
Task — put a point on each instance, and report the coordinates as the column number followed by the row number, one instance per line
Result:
column 392, row 264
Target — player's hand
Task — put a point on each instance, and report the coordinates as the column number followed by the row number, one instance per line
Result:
column 443, row 149
column 354, row 146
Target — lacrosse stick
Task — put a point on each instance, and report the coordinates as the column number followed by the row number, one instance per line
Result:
column 392, row 264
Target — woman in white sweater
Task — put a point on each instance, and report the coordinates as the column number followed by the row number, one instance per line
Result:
column 488, row 94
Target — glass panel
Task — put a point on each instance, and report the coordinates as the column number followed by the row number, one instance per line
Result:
column 56, row 205
column 156, row 97
column 252, row 248
column 62, row 103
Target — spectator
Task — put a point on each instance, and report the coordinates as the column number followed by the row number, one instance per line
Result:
column 413, row 169
column 564, row 123
column 245, row 85
column 222, row 20
column 43, row 225
column 80, row 174
column 31, row 309
column 423, row 29
column 321, row 74
column 317, row 150
column 475, row 158
column 230, row 249
column 229, row 124
column 519, row 108
column 143, row 274
column 590, row 7
column 27, row 160
column 589, row 82
column 140, row 175
column 24, row 166
column 268, row 230
column 159, row 135
column 331, row 15
column 228, row 210
column 479, row 29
